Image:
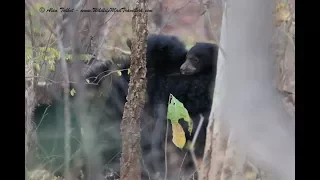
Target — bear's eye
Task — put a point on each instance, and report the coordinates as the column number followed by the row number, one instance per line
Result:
column 196, row 60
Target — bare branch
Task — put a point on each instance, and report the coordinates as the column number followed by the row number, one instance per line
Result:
column 165, row 151
column 194, row 159
column 118, row 49
column 211, row 29
column 173, row 12
column 41, row 17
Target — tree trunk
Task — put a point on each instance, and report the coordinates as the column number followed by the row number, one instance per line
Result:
column 250, row 107
column 130, row 126
column 216, row 143
column 29, row 107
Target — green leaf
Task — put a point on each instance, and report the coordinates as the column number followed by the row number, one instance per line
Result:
column 188, row 144
column 48, row 54
column 129, row 72
column 72, row 92
column 85, row 57
column 189, row 46
column 52, row 65
column 108, row 2
column 119, row 73
column 68, row 57
column 176, row 111
column 37, row 66
column 28, row 53
column 87, row 80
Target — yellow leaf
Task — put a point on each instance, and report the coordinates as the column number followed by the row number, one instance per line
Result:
column 129, row 72
column 87, row 80
column 119, row 73
column 282, row 13
column 179, row 138
column 251, row 175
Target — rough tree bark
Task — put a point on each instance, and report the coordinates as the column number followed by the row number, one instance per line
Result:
column 30, row 99
column 130, row 125
column 29, row 107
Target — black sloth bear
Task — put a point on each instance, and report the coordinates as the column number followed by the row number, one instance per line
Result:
column 193, row 87
column 166, row 57
column 201, row 57
column 165, row 53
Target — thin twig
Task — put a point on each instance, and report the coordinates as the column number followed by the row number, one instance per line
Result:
column 102, row 41
column 212, row 30
column 172, row 12
column 165, row 152
column 45, row 21
column 43, row 115
column 72, row 82
column 180, row 170
column 145, row 168
column 194, row 141
column 118, row 49
column 31, row 34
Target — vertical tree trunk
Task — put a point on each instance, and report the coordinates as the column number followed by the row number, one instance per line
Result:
column 67, row 148
column 130, row 126
column 29, row 107
column 30, row 97
column 216, row 136
column 250, row 106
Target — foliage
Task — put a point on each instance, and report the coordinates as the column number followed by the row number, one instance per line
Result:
column 49, row 55
column 189, row 46
column 36, row 6
column 282, row 13
column 72, row 92
column 176, row 111
column 179, row 137
column 108, row 2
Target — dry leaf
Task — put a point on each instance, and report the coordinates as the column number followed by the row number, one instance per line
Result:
column 179, row 138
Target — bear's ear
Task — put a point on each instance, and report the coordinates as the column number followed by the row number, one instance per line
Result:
column 129, row 43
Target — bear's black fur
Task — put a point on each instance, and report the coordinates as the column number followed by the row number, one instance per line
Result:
column 165, row 53
column 194, row 91
column 165, row 56
column 201, row 57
